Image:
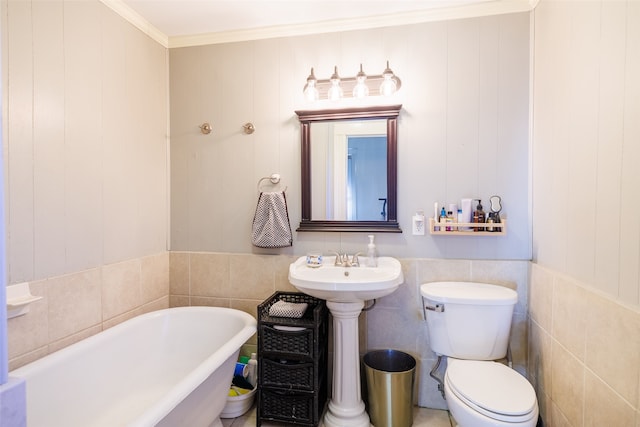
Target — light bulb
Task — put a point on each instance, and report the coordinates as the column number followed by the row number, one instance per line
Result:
column 335, row 91
column 388, row 85
column 360, row 90
column 310, row 90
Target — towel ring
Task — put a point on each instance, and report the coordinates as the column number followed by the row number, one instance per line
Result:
column 274, row 178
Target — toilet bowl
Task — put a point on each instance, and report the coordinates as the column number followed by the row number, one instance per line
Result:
column 469, row 324
column 489, row 394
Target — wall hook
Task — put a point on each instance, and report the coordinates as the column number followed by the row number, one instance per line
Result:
column 205, row 128
column 249, row 128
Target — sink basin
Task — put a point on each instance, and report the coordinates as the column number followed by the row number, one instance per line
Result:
column 346, row 284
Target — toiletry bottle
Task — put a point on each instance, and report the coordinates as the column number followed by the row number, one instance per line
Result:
column 497, row 220
column 453, row 208
column 436, row 217
column 467, row 212
column 443, row 218
column 372, row 255
column 452, row 213
column 253, row 370
column 460, row 219
column 479, row 216
column 490, row 222
column 449, row 221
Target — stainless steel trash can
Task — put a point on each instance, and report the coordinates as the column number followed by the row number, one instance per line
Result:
column 390, row 376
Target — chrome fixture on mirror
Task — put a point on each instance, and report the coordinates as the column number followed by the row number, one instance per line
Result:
column 360, row 86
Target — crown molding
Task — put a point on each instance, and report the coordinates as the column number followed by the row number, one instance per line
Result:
column 135, row 19
column 487, row 8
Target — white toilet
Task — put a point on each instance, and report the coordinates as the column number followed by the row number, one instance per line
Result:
column 470, row 324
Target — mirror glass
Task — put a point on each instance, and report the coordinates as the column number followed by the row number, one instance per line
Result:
column 349, row 169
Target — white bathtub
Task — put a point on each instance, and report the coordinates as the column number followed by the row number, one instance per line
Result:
column 169, row 368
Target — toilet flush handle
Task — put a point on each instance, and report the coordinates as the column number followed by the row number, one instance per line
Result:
column 438, row 308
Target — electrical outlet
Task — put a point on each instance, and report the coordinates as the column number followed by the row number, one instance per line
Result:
column 418, row 225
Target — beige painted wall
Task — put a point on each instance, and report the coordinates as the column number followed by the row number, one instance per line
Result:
column 463, row 131
column 85, row 140
column 584, row 341
column 585, row 149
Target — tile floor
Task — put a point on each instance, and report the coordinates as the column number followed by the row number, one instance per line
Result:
column 422, row 417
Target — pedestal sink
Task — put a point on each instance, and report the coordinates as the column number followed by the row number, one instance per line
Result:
column 346, row 289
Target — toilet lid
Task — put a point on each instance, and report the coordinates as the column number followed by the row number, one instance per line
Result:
column 492, row 389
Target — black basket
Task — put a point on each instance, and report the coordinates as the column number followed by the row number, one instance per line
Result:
column 298, row 343
column 287, row 406
column 281, row 336
column 311, row 317
column 290, row 407
column 287, row 374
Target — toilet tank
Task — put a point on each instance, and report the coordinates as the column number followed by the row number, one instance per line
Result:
column 468, row 320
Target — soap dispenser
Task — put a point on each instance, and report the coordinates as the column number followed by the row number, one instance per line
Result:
column 479, row 216
column 372, row 255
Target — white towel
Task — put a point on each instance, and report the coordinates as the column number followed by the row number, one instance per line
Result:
column 288, row 309
column 271, row 228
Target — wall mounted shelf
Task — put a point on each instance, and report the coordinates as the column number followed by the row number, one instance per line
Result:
column 469, row 229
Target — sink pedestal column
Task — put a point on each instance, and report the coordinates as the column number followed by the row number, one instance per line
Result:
column 346, row 408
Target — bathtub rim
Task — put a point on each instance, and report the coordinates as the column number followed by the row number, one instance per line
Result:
column 184, row 387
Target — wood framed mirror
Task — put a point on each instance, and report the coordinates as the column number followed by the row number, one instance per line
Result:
column 349, row 169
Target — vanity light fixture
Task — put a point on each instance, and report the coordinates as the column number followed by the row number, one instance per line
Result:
column 360, row 86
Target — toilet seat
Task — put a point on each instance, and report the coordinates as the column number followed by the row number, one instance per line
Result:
column 492, row 389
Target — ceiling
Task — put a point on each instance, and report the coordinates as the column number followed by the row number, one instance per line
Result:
column 190, row 22
column 190, row 17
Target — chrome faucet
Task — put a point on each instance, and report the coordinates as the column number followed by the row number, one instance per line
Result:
column 344, row 261
column 338, row 262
